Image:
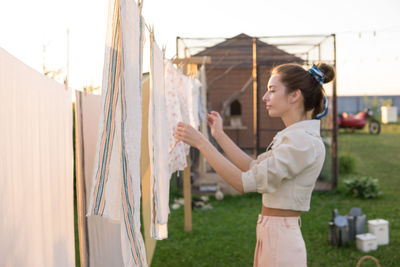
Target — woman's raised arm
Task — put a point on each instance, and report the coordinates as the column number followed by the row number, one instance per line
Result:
column 234, row 153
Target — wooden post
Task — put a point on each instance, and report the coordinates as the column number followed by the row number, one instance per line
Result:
column 187, row 184
column 255, row 97
column 258, row 108
column 80, row 183
column 335, row 126
column 149, row 242
column 177, row 46
column 187, row 194
column 319, row 52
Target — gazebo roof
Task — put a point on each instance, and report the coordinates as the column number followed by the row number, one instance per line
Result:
column 238, row 51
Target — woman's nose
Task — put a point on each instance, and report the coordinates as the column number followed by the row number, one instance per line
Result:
column 265, row 97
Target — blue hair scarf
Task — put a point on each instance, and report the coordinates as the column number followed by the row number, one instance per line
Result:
column 318, row 74
column 320, row 77
column 323, row 114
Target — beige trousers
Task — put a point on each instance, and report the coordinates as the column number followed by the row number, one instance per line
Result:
column 279, row 242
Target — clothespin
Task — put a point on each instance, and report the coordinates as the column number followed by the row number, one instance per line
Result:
column 66, row 84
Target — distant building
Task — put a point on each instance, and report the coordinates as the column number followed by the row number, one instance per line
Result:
column 355, row 104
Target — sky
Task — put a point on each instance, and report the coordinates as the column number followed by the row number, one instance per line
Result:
column 368, row 33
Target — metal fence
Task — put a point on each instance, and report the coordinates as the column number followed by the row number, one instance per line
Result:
column 270, row 51
column 355, row 104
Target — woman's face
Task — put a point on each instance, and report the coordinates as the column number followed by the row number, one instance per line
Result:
column 276, row 99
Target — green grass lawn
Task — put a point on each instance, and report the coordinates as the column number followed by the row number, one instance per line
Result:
column 225, row 235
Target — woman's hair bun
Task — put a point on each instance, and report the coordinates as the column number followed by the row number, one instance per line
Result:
column 328, row 70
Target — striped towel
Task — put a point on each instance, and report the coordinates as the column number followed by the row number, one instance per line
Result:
column 116, row 185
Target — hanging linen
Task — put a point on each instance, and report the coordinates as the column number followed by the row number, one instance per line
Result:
column 174, row 98
column 36, row 168
column 99, row 239
column 194, row 95
column 116, row 181
column 183, row 105
column 158, row 145
column 174, row 85
column 187, row 98
column 203, row 94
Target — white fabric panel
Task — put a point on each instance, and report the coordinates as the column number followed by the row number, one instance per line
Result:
column 104, row 237
column 36, row 168
column 158, row 146
column 194, row 95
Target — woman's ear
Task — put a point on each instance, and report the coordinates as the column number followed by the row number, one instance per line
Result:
column 295, row 96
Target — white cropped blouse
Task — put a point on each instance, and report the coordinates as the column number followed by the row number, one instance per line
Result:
column 286, row 173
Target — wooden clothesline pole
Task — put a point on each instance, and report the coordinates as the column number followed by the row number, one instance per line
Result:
column 187, row 196
column 189, row 67
column 255, row 100
column 187, row 184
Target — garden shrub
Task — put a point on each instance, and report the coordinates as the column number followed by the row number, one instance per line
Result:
column 363, row 186
column 347, row 164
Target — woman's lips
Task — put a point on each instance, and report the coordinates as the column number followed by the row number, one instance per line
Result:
column 268, row 106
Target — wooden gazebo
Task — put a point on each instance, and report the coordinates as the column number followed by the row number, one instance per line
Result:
column 229, row 83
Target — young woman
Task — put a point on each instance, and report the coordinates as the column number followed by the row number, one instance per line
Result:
column 286, row 173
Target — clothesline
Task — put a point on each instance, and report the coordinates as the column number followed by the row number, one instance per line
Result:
column 148, row 27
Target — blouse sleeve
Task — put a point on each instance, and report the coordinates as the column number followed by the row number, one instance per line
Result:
column 285, row 161
column 259, row 159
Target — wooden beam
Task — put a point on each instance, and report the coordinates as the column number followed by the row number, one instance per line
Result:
column 192, row 60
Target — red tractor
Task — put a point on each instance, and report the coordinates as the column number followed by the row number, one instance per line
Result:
column 359, row 121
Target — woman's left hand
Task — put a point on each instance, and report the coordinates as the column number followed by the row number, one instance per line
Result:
column 186, row 133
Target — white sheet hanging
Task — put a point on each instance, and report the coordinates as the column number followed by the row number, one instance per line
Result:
column 36, row 168
column 103, row 236
column 158, row 146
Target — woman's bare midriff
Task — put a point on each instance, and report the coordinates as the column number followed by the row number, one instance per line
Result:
column 279, row 212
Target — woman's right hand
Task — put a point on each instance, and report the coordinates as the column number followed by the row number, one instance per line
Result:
column 214, row 120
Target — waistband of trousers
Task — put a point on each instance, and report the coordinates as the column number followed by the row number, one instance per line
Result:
column 277, row 220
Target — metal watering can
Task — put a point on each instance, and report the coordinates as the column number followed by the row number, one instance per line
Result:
column 343, row 229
